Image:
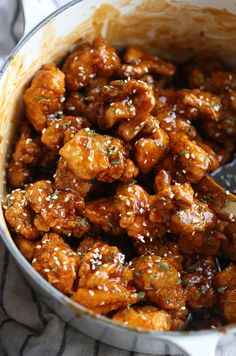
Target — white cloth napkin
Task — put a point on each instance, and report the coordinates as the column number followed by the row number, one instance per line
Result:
column 27, row 326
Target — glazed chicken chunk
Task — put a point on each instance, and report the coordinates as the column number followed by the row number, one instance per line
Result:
column 127, row 102
column 56, row 209
column 56, row 262
column 147, row 317
column 19, row 215
column 104, row 281
column 198, row 282
column 139, row 62
column 196, row 104
column 26, row 247
column 60, row 131
column 225, row 283
column 66, row 180
column 104, row 213
column 90, row 155
column 160, row 281
column 133, row 205
column 149, row 149
column 83, row 65
column 26, row 155
column 175, row 205
column 45, row 95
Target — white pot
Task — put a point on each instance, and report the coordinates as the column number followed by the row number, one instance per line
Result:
column 175, row 30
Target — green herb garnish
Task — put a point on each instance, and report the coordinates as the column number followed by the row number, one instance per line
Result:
column 141, row 295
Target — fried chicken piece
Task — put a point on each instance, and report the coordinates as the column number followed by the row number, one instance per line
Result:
column 178, row 317
column 201, row 69
column 222, row 130
column 56, row 209
column 175, row 124
column 56, row 262
column 19, row 214
column 27, row 153
column 44, row 96
column 198, row 217
column 149, row 150
column 127, row 102
column 104, row 213
column 26, row 247
column 161, row 247
column 196, row 103
column 86, row 243
column 175, row 205
column 198, row 282
column 89, row 60
column 133, row 205
column 87, row 103
column 220, row 82
column 90, row 155
column 165, row 99
column 225, row 283
column 61, row 131
column 160, row 281
column 206, row 242
column 147, row 317
column 104, row 282
column 195, row 158
column 66, row 180
column 139, row 62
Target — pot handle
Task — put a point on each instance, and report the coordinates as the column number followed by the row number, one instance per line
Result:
column 202, row 344
column 35, row 11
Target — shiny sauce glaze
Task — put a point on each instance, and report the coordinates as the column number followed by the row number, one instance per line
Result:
column 106, row 196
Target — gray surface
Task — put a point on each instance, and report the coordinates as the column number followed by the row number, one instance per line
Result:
column 27, row 326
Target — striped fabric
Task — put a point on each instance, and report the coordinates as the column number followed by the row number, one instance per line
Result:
column 27, row 326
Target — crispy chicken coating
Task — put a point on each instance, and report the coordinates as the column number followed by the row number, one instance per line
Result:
column 133, row 205
column 104, row 213
column 19, row 214
column 56, row 209
column 26, row 247
column 86, row 243
column 198, row 282
column 127, row 102
column 205, row 242
column 139, row 62
column 27, row 153
column 56, row 262
column 165, row 99
column 104, row 281
column 225, row 283
column 66, row 180
column 196, row 104
column 195, row 158
column 161, row 247
column 160, row 281
column 86, row 103
column 90, row 59
column 199, row 72
column 44, row 96
column 61, row 131
column 147, row 317
column 149, row 150
column 90, row 155
column 175, row 205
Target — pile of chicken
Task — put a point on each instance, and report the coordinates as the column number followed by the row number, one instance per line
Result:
column 107, row 199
